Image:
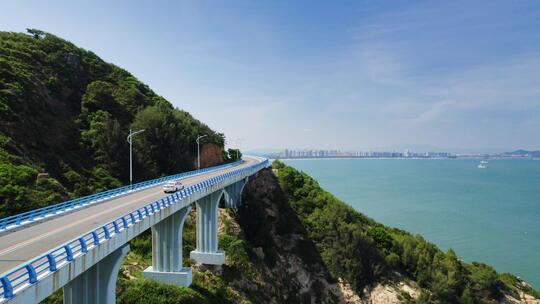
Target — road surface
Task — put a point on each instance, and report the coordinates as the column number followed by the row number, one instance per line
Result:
column 28, row 242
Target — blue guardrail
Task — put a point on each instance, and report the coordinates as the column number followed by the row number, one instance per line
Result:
column 32, row 272
column 29, row 217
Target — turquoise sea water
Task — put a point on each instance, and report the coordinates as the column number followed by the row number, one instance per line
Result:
column 488, row 215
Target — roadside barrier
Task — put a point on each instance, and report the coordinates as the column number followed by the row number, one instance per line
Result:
column 17, row 220
column 32, row 272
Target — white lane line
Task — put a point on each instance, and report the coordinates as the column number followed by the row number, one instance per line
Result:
column 22, row 244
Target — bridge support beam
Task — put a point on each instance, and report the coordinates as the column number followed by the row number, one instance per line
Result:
column 207, row 231
column 233, row 194
column 98, row 283
column 167, row 251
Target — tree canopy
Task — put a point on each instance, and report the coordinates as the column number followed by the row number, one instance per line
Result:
column 66, row 112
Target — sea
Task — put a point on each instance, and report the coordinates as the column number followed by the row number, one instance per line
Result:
column 488, row 215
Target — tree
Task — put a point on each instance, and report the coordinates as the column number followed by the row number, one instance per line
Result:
column 234, row 154
column 37, row 34
column 106, row 139
column 485, row 282
column 168, row 144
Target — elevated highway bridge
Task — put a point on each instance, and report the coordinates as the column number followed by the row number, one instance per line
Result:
column 79, row 245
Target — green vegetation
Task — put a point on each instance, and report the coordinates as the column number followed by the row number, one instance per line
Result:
column 362, row 251
column 66, row 112
column 21, row 188
column 233, row 154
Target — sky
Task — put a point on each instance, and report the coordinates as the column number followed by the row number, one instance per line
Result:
column 349, row 75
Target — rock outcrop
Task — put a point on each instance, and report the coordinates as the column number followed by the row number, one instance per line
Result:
column 211, row 155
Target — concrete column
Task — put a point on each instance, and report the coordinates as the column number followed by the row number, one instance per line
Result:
column 207, row 235
column 167, row 251
column 233, row 194
column 97, row 284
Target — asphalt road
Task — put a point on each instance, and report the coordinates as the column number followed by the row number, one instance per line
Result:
column 20, row 246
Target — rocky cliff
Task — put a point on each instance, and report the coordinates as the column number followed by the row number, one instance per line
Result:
column 211, row 155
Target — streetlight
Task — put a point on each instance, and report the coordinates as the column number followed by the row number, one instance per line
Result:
column 129, row 140
column 199, row 151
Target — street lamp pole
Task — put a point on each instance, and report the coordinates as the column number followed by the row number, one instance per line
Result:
column 130, row 140
column 199, row 151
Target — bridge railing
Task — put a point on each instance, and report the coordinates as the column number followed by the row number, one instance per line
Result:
column 32, row 272
column 21, row 219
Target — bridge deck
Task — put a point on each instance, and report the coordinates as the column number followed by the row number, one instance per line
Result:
column 28, row 242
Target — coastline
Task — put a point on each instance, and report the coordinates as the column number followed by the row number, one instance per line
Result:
column 452, row 204
column 404, row 158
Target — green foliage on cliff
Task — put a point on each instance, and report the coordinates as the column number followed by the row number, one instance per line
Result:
column 66, row 112
column 363, row 252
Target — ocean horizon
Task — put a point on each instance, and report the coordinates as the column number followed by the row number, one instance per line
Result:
column 485, row 215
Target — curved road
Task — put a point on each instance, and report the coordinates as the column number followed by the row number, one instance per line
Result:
column 26, row 243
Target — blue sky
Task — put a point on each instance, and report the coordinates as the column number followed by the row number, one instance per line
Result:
column 335, row 74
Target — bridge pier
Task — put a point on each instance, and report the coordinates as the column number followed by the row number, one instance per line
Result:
column 207, row 231
column 98, row 283
column 233, row 193
column 167, row 251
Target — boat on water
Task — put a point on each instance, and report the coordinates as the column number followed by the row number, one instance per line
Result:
column 483, row 164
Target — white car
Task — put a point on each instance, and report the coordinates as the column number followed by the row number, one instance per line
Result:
column 172, row 186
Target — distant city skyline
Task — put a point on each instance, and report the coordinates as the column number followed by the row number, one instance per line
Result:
column 415, row 148
column 320, row 153
column 350, row 74
column 407, row 153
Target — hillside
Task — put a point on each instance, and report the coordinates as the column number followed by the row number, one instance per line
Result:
column 64, row 118
column 371, row 253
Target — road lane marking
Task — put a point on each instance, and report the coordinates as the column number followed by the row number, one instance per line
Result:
column 22, row 244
